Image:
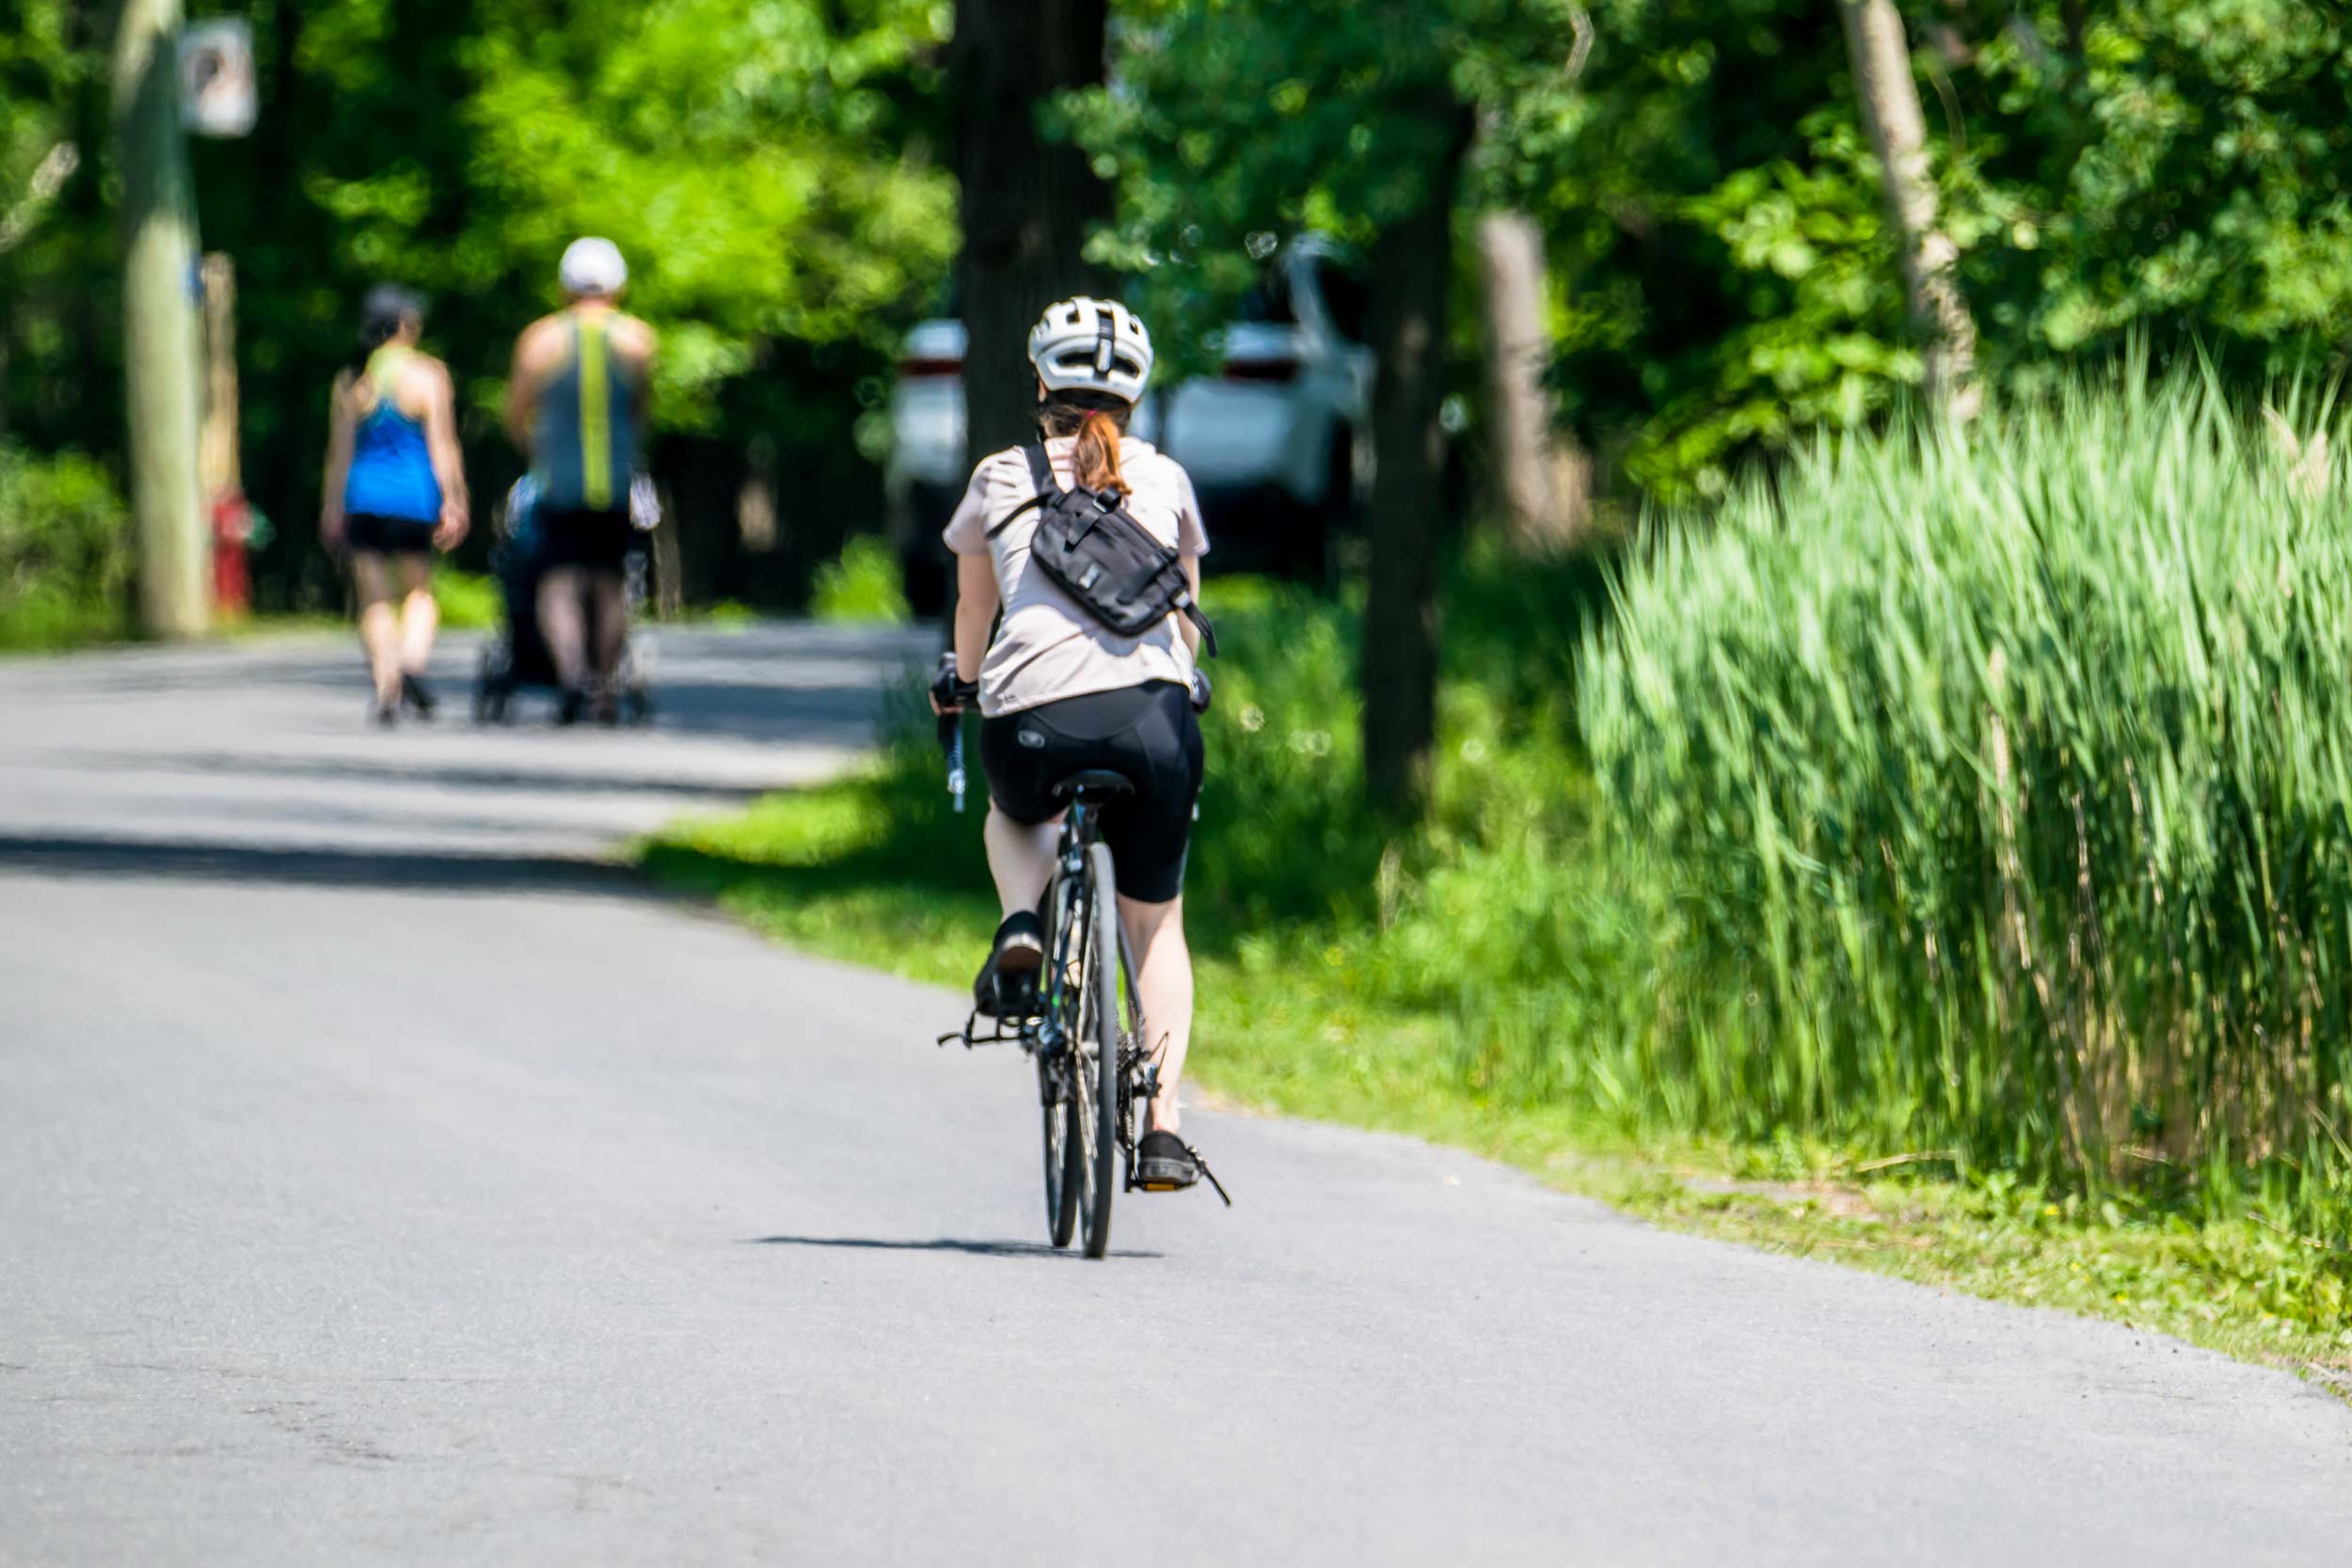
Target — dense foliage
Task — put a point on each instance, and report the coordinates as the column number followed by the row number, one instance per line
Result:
column 1724, row 281
column 1233, row 122
column 2164, row 167
column 65, row 550
column 766, row 168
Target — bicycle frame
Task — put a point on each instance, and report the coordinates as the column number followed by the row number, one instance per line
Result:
column 1042, row 1035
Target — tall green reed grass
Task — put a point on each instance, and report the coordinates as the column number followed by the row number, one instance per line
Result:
column 1988, row 793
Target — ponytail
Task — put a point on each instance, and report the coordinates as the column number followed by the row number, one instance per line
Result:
column 1099, row 420
column 1096, row 459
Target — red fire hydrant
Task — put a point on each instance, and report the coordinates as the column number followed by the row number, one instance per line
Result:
column 233, row 524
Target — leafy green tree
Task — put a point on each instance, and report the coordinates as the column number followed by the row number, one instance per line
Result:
column 57, row 354
column 2168, row 167
column 1240, row 118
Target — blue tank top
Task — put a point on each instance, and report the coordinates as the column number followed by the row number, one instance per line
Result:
column 584, row 440
column 391, row 468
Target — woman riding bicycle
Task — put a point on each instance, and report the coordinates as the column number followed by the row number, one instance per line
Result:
column 1060, row 692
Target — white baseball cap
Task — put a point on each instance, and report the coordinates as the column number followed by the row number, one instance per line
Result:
column 592, row 266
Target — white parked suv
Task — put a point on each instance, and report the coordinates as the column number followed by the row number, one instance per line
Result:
column 1274, row 442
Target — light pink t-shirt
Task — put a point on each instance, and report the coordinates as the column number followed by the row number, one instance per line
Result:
column 1047, row 648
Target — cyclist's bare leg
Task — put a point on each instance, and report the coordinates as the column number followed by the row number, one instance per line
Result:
column 379, row 630
column 560, row 622
column 419, row 616
column 1155, row 935
column 1020, row 859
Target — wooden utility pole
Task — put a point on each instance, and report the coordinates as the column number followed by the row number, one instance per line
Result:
column 219, row 471
column 160, row 326
column 1887, row 98
column 1545, row 482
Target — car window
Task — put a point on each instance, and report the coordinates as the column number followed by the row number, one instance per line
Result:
column 1346, row 297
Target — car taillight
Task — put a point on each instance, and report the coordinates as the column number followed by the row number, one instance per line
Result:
column 915, row 370
column 1261, row 369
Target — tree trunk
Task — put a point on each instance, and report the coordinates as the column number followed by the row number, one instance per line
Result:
column 1411, row 282
column 2077, row 23
column 160, row 329
column 1026, row 203
column 1887, row 100
column 1545, row 482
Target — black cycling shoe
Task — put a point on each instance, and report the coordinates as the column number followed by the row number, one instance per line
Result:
column 1006, row 984
column 574, row 705
column 1165, row 1163
column 414, row 695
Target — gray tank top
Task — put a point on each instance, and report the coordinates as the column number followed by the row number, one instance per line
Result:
column 584, row 438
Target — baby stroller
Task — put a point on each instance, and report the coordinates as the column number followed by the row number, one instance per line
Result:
column 517, row 655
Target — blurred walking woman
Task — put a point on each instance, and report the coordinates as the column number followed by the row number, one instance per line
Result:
column 395, row 492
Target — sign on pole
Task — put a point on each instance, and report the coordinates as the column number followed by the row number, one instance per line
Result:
column 217, row 97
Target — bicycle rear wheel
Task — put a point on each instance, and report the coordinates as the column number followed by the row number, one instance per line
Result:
column 1096, row 1078
column 1063, row 1179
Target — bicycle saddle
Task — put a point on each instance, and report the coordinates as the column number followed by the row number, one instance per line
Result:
column 1093, row 785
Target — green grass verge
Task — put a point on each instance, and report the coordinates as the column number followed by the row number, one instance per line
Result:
column 46, row 622
column 867, row 870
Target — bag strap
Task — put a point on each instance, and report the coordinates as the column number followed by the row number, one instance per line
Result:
column 1191, row 611
column 1041, row 469
column 1040, row 474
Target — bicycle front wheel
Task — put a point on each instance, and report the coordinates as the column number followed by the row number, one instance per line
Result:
column 1097, row 1061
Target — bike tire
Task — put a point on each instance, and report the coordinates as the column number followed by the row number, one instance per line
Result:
column 1099, row 1079
column 1062, row 1171
column 1064, row 1161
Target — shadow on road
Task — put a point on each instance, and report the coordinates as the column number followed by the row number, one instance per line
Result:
column 307, row 867
column 977, row 1249
column 442, row 775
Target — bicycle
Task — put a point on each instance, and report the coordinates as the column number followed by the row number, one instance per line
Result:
column 1085, row 1031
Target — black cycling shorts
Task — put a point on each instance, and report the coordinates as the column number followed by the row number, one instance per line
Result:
column 372, row 533
column 1148, row 733
column 592, row 541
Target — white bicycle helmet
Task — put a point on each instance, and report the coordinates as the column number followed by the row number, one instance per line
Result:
column 1094, row 344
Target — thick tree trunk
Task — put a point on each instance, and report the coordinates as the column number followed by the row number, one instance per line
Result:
column 1543, row 481
column 1887, row 98
column 1411, row 267
column 1026, row 203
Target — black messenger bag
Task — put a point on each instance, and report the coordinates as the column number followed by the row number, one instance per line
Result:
column 1105, row 560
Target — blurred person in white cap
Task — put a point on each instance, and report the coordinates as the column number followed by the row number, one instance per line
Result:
column 576, row 404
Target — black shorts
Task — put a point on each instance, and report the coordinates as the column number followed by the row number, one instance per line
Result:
column 375, row 534
column 1147, row 732
column 592, row 541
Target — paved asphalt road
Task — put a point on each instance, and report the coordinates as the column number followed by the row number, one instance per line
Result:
column 383, row 1181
